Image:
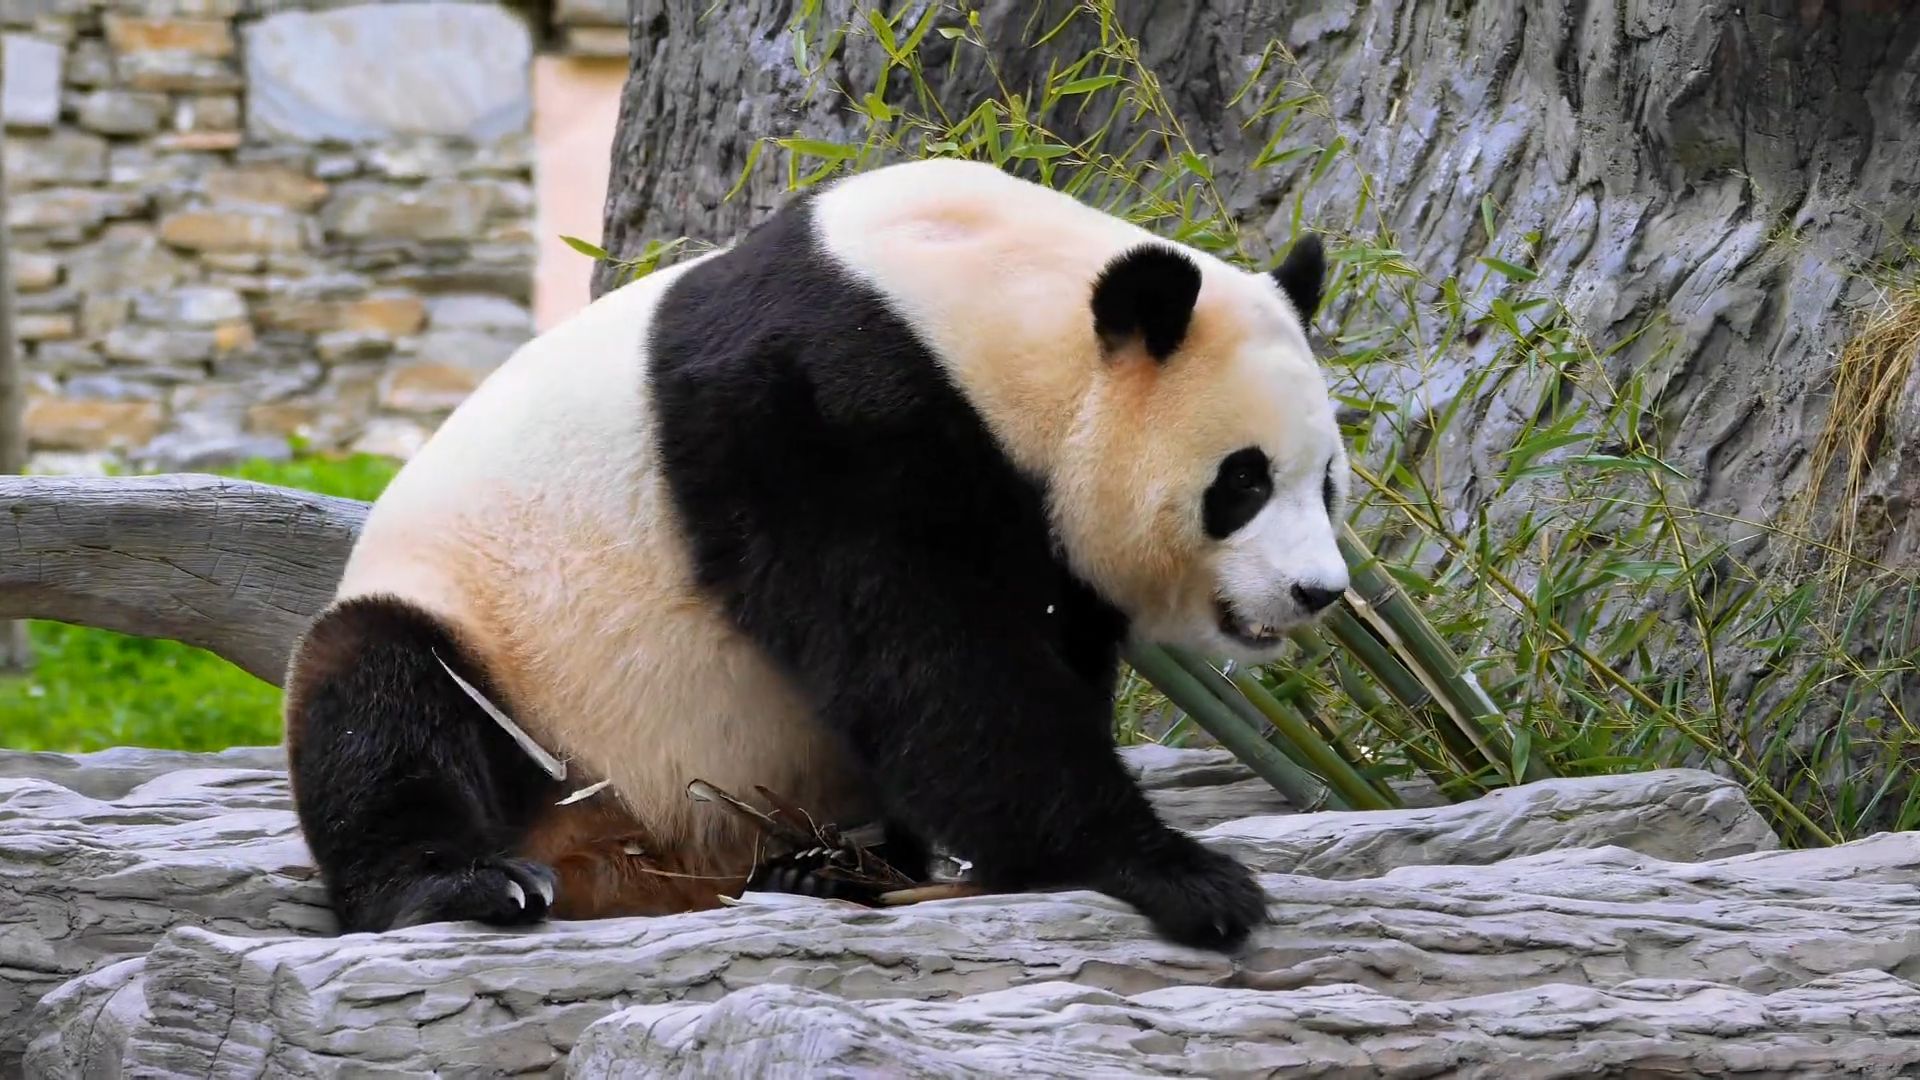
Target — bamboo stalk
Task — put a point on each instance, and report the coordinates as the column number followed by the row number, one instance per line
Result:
column 1385, row 606
column 1385, row 667
column 1220, row 689
column 1288, row 734
column 1296, row 691
column 1329, row 756
column 1314, row 649
column 1328, row 762
column 1302, row 789
column 1355, row 687
column 1314, row 646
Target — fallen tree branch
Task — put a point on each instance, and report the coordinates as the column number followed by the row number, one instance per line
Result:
column 233, row 567
column 239, row 568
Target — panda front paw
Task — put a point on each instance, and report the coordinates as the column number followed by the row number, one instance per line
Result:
column 496, row 891
column 1193, row 895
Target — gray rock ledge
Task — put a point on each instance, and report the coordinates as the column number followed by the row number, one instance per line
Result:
column 1059, row 1029
column 158, row 915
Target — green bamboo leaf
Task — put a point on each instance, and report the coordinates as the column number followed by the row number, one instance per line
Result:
column 1292, row 104
column 883, row 30
column 1087, row 85
column 990, row 127
column 1502, row 312
column 1410, row 581
column 1268, row 158
column 819, row 148
column 1522, row 753
column 591, row 251
column 1640, row 570
column 1327, row 157
column 1040, row 151
column 1043, row 39
column 919, row 32
column 1614, row 462
column 753, row 155
column 1507, row 269
column 1525, row 452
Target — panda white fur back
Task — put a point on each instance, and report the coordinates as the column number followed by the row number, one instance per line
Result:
column 858, row 509
column 534, row 521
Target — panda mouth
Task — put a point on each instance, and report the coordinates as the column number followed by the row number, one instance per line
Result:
column 1243, row 630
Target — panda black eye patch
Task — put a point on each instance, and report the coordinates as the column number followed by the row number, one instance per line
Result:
column 1241, row 487
column 1326, row 488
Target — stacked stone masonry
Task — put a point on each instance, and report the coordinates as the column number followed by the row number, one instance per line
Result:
column 241, row 223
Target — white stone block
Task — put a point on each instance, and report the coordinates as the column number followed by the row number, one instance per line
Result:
column 379, row 71
column 30, row 81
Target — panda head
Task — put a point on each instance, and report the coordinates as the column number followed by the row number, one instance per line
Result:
column 1200, row 482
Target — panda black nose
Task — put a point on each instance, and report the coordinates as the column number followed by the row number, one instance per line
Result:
column 1313, row 598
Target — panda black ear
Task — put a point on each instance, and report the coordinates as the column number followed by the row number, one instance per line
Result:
column 1147, row 295
column 1301, row 275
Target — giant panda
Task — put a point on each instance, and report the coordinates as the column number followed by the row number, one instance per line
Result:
column 861, row 508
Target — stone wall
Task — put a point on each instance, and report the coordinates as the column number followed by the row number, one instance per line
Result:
column 240, row 221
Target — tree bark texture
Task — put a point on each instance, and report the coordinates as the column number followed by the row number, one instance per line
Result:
column 232, row 567
column 1722, row 174
column 1731, row 165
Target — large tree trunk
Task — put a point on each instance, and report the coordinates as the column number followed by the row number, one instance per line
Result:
column 1724, row 172
column 1733, row 165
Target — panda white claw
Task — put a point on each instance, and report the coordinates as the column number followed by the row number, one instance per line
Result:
column 519, row 894
column 546, row 890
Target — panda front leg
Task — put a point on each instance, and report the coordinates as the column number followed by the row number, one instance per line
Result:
column 1057, row 809
column 411, row 798
column 985, row 741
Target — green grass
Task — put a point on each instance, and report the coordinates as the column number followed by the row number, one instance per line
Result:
column 91, row 689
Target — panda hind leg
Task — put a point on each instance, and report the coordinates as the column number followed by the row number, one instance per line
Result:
column 811, row 874
column 611, row 866
column 411, row 798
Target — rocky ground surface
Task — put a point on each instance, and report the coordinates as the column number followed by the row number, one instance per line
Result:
column 158, row 916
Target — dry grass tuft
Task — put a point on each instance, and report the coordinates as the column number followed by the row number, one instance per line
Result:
column 1869, row 378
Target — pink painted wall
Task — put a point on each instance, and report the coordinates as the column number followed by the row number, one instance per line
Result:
column 576, row 103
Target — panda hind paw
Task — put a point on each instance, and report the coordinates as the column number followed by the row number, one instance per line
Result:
column 495, row 891
column 799, row 875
